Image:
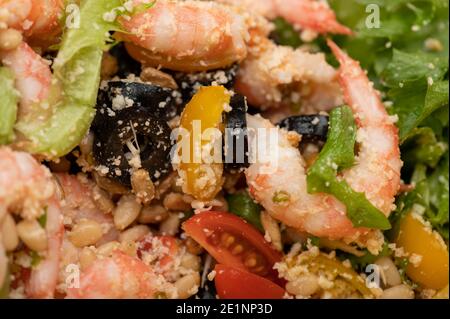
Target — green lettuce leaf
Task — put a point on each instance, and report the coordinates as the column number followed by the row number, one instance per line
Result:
column 76, row 72
column 336, row 155
column 8, row 105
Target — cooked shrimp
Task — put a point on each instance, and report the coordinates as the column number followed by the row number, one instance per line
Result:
column 27, row 188
column 78, row 204
column 36, row 19
column 118, row 276
column 311, row 15
column 186, row 35
column 32, row 77
column 281, row 75
column 376, row 172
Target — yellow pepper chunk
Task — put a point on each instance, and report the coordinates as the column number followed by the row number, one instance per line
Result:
column 417, row 238
column 202, row 175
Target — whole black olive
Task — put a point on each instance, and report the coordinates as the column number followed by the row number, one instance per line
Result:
column 236, row 139
column 137, row 130
column 189, row 83
column 313, row 128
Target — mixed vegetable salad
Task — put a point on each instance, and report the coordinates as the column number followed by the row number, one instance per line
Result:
column 132, row 163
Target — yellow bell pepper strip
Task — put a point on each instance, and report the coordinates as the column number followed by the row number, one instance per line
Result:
column 8, row 105
column 201, row 179
column 416, row 237
column 76, row 78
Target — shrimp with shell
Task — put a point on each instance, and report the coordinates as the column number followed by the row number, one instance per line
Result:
column 186, row 35
column 28, row 189
column 282, row 76
column 313, row 15
column 376, row 172
column 37, row 20
column 119, row 276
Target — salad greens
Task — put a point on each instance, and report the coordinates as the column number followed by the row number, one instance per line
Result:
column 336, row 155
column 8, row 107
column 77, row 76
column 407, row 59
column 242, row 205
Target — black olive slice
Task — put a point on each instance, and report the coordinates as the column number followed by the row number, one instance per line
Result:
column 127, row 65
column 189, row 83
column 313, row 128
column 236, row 139
column 117, row 97
column 147, row 133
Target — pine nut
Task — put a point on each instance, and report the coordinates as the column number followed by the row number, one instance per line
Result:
column 134, row 233
column 188, row 285
column 305, row 286
column 159, row 78
column 87, row 257
column 272, row 229
column 176, row 202
column 153, row 214
column 109, row 66
column 126, row 212
column 398, row 292
column 3, row 265
column 86, row 232
column 142, row 186
column 102, row 200
column 170, row 226
column 10, row 39
column 32, row 234
column 106, row 250
column 190, row 261
column 389, row 271
column 9, row 233
column 193, row 247
column 109, row 185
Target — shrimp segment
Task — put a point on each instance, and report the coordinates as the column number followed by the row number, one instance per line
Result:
column 36, row 19
column 28, row 187
column 305, row 14
column 376, row 172
column 186, row 35
column 279, row 76
column 119, row 276
column 32, row 76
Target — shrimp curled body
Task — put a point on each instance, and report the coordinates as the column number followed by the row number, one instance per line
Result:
column 376, row 172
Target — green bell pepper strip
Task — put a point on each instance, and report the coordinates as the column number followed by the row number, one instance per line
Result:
column 76, row 73
column 242, row 205
column 336, row 155
column 8, row 105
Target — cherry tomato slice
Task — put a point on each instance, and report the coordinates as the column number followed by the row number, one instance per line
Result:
column 233, row 242
column 234, row 283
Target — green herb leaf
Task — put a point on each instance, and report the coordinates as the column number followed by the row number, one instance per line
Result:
column 43, row 219
column 242, row 205
column 338, row 154
column 285, row 34
column 35, row 258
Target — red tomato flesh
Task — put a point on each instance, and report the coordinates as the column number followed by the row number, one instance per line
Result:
column 233, row 242
column 234, row 283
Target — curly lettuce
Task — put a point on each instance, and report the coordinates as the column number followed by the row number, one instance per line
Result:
column 76, row 74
